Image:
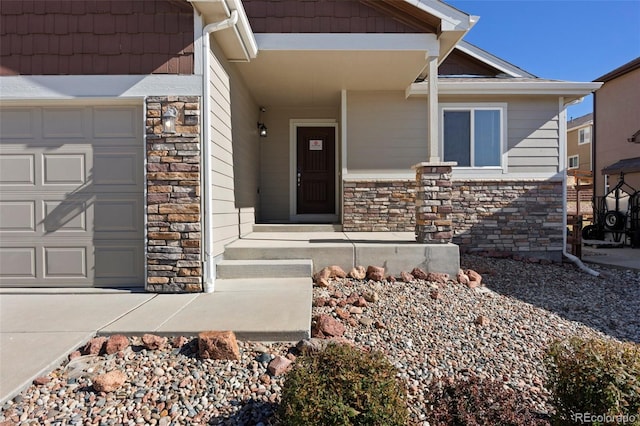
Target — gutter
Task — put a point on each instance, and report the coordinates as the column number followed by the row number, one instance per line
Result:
column 563, row 159
column 209, row 272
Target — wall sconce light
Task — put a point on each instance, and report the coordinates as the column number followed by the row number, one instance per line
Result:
column 169, row 120
column 262, row 129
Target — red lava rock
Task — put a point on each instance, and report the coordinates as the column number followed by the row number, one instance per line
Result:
column 337, row 294
column 462, row 278
column 291, row 357
column 391, row 279
column 406, row 277
column 474, row 276
column 320, row 302
column 332, row 303
column 109, row 382
column 437, row 277
column 435, row 295
column 482, row 321
column 75, row 354
column 116, row 343
column 353, row 298
column 342, row 313
column 361, row 302
column 419, row 274
column 352, row 322
column 265, row 379
column 42, row 380
column 337, row 272
column 323, row 282
column 279, row 365
column 153, row 342
column 218, row 345
column 179, row 341
column 326, row 325
column 342, row 303
column 329, row 272
column 94, row 346
column 379, row 325
column 358, row 273
column 375, row 273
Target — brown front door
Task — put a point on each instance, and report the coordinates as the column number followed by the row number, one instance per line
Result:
column 316, row 170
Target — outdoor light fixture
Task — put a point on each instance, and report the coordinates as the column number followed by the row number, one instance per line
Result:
column 262, row 129
column 169, row 120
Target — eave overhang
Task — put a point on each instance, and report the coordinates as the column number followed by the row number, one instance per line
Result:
column 571, row 91
column 238, row 42
column 312, row 69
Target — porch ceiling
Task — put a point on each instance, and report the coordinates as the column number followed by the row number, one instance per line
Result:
column 310, row 70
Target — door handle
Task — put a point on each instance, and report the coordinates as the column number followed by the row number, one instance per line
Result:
column 299, row 178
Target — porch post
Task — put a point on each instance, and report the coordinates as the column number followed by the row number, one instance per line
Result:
column 432, row 111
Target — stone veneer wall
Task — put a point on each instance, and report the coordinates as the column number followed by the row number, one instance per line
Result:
column 173, row 197
column 433, row 203
column 379, row 205
column 509, row 217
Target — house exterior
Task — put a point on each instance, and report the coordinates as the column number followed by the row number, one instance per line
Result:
column 579, row 166
column 579, row 131
column 359, row 99
column 616, row 147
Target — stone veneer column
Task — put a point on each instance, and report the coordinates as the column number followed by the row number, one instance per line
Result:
column 173, row 197
column 433, row 203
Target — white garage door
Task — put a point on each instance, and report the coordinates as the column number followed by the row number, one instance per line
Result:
column 71, row 196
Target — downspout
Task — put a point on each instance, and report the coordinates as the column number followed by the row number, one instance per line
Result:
column 208, row 264
column 563, row 158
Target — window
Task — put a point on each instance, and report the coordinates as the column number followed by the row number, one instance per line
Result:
column 584, row 135
column 574, row 161
column 473, row 136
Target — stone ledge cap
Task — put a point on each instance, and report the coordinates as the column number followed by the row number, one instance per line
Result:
column 435, row 164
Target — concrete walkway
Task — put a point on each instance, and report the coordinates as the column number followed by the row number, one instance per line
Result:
column 622, row 258
column 39, row 328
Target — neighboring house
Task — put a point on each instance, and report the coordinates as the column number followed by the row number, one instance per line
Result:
column 616, row 109
column 579, row 167
column 579, row 131
column 96, row 191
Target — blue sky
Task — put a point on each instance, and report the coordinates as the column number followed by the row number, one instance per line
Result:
column 575, row 40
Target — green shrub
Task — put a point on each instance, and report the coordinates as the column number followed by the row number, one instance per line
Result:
column 594, row 376
column 342, row 385
column 476, row 402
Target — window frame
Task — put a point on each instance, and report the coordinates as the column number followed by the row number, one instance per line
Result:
column 501, row 107
column 586, row 137
column 577, row 158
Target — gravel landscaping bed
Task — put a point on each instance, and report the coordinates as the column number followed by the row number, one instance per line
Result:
column 428, row 330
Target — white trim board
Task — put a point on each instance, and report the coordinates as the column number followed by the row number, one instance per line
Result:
column 98, row 86
column 346, row 42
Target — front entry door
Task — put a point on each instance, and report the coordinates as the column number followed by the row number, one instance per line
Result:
column 316, row 170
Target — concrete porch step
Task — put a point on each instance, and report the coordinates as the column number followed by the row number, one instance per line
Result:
column 275, row 268
column 296, row 227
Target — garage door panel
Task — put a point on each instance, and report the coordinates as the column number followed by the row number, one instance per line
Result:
column 118, row 168
column 115, row 215
column 124, row 262
column 64, row 216
column 128, row 119
column 17, row 216
column 17, row 169
column 18, row 123
column 65, row 262
column 17, row 262
column 64, row 169
column 71, row 196
column 64, row 123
